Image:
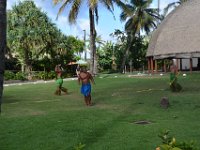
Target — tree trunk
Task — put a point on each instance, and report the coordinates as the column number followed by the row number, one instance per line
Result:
column 93, row 59
column 130, row 40
column 124, row 59
column 27, row 62
column 2, row 45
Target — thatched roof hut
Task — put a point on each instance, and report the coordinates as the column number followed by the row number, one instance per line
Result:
column 178, row 36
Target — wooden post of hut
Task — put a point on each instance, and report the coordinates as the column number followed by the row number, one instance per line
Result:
column 181, row 66
column 164, row 66
column 152, row 65
column 177, row 64
column 191, row 65
column 156, row 66
column 149, row 64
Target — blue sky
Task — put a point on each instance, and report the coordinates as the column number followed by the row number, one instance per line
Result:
column 106, row 25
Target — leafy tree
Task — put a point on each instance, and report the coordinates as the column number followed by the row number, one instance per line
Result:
column 93, row 14
column 120, row 46
column 27, row 32
column 32, row 37
column 138, row 52
column 75, row 45
column 105, row 56
column 139, row 17
column 2, row 44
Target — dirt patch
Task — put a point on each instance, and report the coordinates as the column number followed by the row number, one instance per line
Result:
column 142, row 122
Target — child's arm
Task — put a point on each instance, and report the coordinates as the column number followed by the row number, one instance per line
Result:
column 79, row 80
column 92, row 79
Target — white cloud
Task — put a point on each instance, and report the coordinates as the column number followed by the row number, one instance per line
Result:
column 62, row 20
column 11, row 3
column 84, row 24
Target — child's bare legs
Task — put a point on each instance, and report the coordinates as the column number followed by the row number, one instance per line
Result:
column 58, row 91
column 88, row 100
column 64, row 90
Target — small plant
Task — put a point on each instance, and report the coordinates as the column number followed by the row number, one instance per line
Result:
column 20, row 76
column 80, row 146
column 169, row 143
column 42, row 75
column 51, row 75
column 9, row 75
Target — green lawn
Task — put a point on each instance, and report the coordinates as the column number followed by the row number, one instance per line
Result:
column 33, row 118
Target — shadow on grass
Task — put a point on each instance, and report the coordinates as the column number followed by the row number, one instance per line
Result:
column 9, row 100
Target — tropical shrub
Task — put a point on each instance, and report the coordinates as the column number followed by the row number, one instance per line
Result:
column 20, row 76
column 51, row 75
column 80, row 146
column 170, row 143
column 9, row 75
column 41, row 75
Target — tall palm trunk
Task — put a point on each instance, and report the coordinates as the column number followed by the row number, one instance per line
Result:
column 2, row 45
column 130, row 40
column 93, row 61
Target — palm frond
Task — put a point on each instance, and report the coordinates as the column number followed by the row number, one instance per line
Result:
column 96, row 13
column 92, row 4
column 62, row 7
column 74, row 11
column 147, row 3
column 123, row 16
column 127, row 12
column 153, row 12
column 125, row 7
column 169, row 6
column 109, row 5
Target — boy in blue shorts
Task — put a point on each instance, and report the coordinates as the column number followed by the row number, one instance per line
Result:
column 85, row 78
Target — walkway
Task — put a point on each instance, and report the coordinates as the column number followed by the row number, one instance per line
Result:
column 18, row 82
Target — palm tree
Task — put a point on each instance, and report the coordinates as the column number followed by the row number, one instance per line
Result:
column 173, row 5
column 2, row 44
column 93, row 14
column 139, row 17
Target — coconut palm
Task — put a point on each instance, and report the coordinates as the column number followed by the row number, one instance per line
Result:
column 93, row 14
column 2, row 44
column 173, row 5
column 139, row 17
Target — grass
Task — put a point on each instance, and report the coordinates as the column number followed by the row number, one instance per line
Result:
column 33, row 118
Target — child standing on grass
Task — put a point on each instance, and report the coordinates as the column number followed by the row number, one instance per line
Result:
column 59, row 80
column 174, row 85
column 58, row 70
column 60, row 88
column 84, row 78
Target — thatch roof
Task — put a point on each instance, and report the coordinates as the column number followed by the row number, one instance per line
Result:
column 178, row 36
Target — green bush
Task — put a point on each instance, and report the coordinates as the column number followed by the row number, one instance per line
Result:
column 41, row 75
column 80, row 146
column 170, row 143
column 45, row 75
column 9, row 75
column 67, row 75
column 51, row 75
column 20, row 76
